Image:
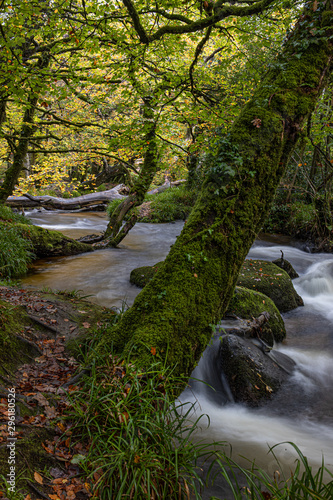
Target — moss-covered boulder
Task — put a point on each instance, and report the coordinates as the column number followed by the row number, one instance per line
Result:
column 262, row 276
column 286, row 266
column 48, row 243
column 142, row 275
column 252, row 374
column 247, row 304
column 267, row 278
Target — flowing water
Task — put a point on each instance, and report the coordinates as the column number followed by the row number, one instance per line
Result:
column 301, row 412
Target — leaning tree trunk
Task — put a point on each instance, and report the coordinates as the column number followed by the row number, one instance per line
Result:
column 173, row 316
column 115, row 233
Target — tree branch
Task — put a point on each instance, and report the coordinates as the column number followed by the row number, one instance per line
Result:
column 136, row 21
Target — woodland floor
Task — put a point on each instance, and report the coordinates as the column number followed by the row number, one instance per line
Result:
column 44, row 446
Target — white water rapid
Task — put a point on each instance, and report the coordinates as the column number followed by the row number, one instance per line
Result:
column 301, row 412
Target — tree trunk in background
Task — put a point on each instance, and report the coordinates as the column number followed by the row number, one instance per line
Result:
column 172, row 316
column 114, row 233
column 27, row 131
column 3, row 104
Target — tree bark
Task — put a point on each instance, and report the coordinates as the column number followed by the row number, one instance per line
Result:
column 54, row 203
column 27, row 131
column 173, row 316
column 115, row 233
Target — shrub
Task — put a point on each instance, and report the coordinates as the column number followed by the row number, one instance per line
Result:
column 6, row 214
column 15, row 251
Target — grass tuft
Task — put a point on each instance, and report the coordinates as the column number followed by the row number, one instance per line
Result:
column 172, row 204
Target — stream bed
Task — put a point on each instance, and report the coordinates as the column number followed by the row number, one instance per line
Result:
column 301, row 412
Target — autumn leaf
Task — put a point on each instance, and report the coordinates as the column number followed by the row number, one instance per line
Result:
column 38, row 478
column 86, row 324
column 153, row 351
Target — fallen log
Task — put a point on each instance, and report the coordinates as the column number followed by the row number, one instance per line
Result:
column 166, row 185
column 85, row 201
column 54, row 203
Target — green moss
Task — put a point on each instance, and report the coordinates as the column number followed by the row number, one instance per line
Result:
column 142, row 275
column 172, row 204
column 48, row 243
column 13, row 351
column 28, row 450
column 247, row 304
column 267, row 278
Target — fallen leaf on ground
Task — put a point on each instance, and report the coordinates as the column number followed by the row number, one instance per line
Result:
column 38, row 478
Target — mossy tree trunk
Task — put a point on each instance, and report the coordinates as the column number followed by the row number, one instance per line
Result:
column 115, row 233
column 173, row 314
column 27, row 131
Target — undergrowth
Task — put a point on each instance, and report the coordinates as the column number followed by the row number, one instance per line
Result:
column 172, row 204
column 15, row 251
column 141, row 445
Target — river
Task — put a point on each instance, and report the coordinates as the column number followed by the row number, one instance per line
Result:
column 302, row 411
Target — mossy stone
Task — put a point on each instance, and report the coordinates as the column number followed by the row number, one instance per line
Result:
column 286, row 266
column 267, row 278
column 252, row 375
column 142, row 275
column 247, row 304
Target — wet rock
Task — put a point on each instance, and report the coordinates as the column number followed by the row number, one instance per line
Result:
column 253, row 373
column 267, row 278
column 247, row 304
column 286, row 266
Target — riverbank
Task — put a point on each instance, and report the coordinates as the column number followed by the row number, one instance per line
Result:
column 107, row 430
column 248, row 432
column 37, row 380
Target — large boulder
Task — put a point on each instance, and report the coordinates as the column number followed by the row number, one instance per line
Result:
column 259, row 275
column 253, row 374
column 267, row 278
column 248, row 304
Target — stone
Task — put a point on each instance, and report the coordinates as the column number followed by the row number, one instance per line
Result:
column 252, row 374
column 267, row 278
column 247, row 304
